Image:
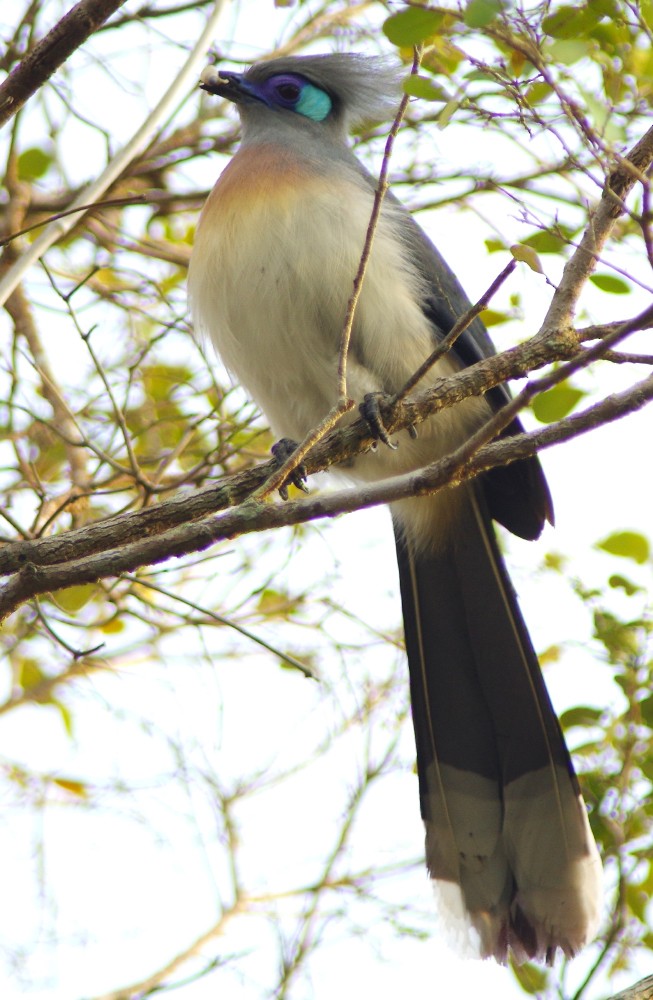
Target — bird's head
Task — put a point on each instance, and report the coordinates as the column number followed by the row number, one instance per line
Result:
column 338, row 92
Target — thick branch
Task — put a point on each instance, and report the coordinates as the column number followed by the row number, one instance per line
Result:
column 630, row 169
column 51, row 52
column 251, row 516
column 643, row 990
column 337, row 447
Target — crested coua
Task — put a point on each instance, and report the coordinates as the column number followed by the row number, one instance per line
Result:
column 277, row 248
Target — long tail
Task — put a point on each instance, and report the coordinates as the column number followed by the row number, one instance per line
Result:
column 504, row 817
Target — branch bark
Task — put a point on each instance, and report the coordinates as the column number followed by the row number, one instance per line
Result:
column 643, row 990
column 51, row 52
column 38, row 578
column 629, row 170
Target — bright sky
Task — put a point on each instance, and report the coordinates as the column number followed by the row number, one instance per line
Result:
column 126, row 899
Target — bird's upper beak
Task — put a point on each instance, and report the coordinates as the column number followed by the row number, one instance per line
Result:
column 233, row 86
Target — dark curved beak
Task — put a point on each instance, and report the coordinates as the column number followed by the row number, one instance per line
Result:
column 224, row 83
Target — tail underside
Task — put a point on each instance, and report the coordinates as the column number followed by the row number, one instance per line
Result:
column 505, row 821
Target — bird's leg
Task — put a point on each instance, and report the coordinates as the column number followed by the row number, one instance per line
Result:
column 281, row 451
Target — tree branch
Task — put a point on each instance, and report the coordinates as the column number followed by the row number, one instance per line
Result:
column 630, row 169
column 51, row 52
column 33, row 578
column 643, row 990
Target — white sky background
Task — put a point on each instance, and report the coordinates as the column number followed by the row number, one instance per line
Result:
column 132, row 890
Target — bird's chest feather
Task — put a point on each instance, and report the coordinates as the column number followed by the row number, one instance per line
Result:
column 276, row 253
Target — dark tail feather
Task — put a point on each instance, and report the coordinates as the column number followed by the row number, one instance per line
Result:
column 503, row 813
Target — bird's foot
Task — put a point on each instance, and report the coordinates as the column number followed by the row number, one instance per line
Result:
column 281, row 451
column 371, row 411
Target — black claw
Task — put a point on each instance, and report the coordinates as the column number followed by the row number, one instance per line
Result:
column 370, row 410
column 282, row 450
column 412, row 431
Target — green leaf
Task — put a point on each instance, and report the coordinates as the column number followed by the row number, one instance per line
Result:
column 610, row 283
column 491, row 317
column 555, row 561
column 531, row 978
column 547, row 240
column 549, row 655
column 422, row 86
column 646, row 10
column 538, row 92
column 29, row 673
column 628, row 544
column 556, row 403
column 33, row 163
column 494, row 245
column 275, row 602
column 619, row 582
column 609, row 8
column 568, row 50
column 571, row 22
column 447, row 113
column 528, row 256
column 478, row 13
column 412, row 26
column 74, row 598
column 646, row 708
column 582, row 715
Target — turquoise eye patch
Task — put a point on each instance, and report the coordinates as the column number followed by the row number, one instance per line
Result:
column 313, row 103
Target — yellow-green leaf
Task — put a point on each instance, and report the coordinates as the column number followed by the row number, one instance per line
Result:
column 556, row 403
column 112, row 626
column 549, row 655
column 646, row 708
column 528, row 256
column 478, row 13
column 33, row 163
column 447, row 113
column 29, row 673
column 568, row 50
column 531, row 978
column 422, row 86
column 73, row 598
column 273, row 602
column 547, row 240
column 538, row 92
column 646, row 10
column 628, row 545
column 571, row 22
column 581, row 715
column 491, row 317
column 610, row 283
column 412, row 26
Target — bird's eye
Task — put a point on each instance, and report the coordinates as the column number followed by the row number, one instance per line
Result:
column 288, row 91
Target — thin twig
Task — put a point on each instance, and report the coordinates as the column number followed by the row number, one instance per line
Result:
column 379, row 196
column 136, row 199
column 229, row 622
column 459, row 327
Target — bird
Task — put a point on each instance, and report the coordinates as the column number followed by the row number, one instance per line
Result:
column 277, row 246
